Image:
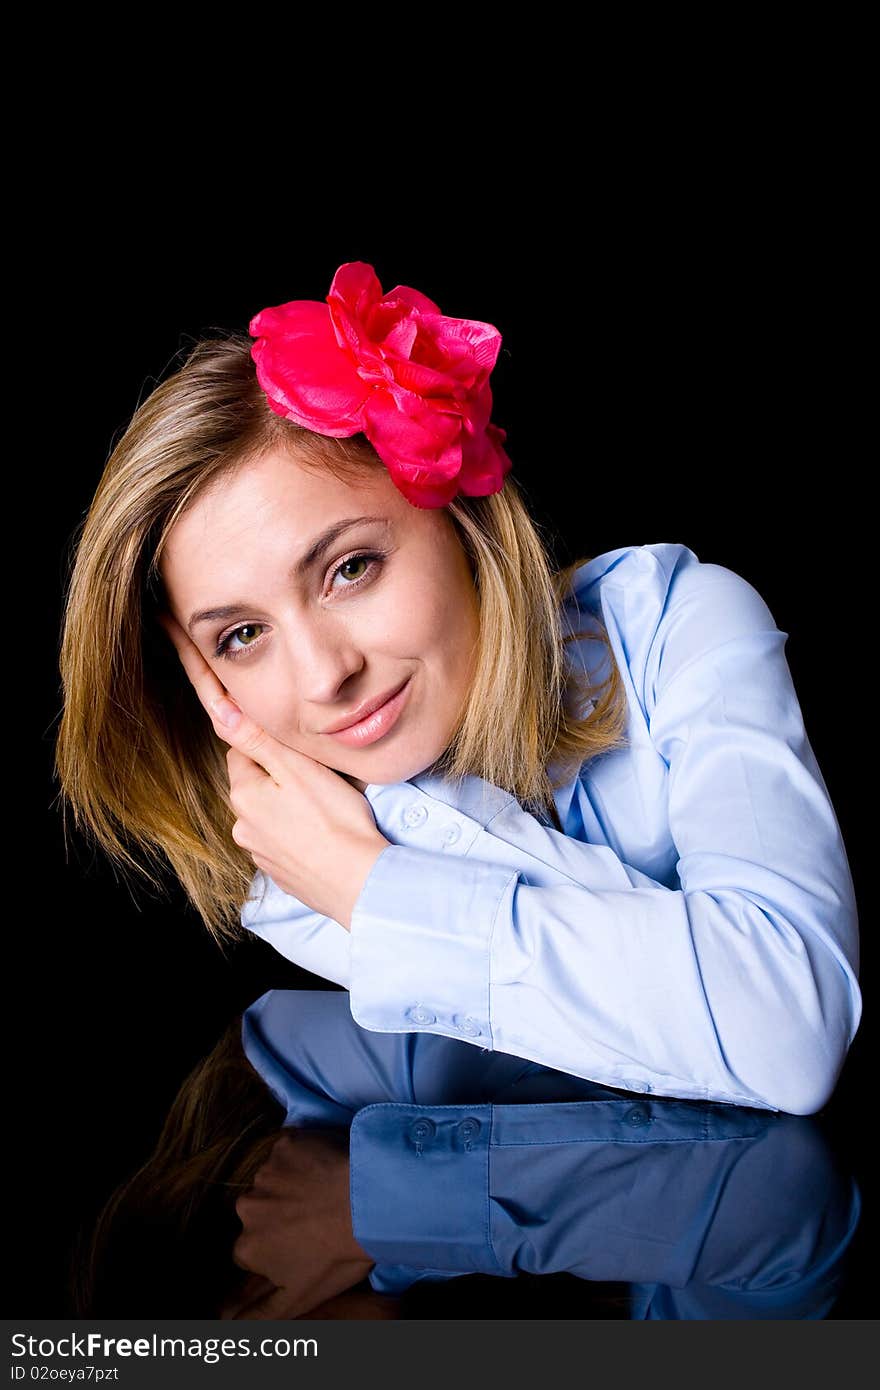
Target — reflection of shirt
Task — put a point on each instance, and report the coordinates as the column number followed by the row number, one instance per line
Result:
column 468, row 1162
column 692, row 933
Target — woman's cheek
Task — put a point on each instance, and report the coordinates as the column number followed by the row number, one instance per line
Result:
column 419, row 618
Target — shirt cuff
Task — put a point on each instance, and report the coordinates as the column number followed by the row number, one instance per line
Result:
column 421, row 940
column 419, row 1186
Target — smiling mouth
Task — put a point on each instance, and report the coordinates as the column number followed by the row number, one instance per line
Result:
column 373, row 726
column 369, row 707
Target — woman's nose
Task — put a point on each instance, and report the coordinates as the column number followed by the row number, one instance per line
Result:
column 322, row 656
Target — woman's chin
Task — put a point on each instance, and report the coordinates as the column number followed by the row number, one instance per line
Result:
column 401, row 770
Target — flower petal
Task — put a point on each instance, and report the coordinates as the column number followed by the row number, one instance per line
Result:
column 354, row 291
column 413, row 299
column 302, row 370
column 484, row 462
column 418, row 438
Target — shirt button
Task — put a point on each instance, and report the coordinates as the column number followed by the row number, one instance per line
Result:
column 467, row 1025
column 420, row 1131
column 638, row 1115
column 415, row 815
column 468, row 1129
column 420, row 1015
column 451, row 834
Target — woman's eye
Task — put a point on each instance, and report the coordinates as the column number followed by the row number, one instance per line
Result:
column 352, row 564
column 372, row 560
column 240, row 633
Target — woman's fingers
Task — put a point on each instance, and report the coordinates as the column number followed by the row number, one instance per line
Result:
column 204, row 681
column 230, row 722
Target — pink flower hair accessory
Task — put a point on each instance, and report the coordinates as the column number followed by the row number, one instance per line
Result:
column 415, row 382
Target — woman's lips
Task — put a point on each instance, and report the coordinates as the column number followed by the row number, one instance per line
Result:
column 374, row 725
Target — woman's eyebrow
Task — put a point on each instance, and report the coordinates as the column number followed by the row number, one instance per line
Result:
column 309, row 558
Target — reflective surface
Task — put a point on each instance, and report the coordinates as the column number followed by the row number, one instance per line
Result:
column 466, row 1162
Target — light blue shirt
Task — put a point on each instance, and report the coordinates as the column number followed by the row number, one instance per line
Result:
column 465, row 1162
column 692, row 933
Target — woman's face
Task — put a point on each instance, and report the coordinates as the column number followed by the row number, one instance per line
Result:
column 301, row 646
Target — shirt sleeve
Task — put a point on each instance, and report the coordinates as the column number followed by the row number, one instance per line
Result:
column 308, row 938
column 739, row 986
column 739, row 1213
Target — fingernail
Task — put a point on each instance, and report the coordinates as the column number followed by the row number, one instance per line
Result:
column 227, row 712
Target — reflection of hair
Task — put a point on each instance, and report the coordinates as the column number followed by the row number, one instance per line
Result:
column 162, row 1245
column 136, row 757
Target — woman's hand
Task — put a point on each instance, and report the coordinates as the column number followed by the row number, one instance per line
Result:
column 304, row 824
column 296, row 1229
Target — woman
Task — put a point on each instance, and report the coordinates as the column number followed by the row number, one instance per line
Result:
column 625, row 866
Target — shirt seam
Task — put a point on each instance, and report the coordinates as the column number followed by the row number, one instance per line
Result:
column 545, row 863
column 489, row 1241
column 497, row 813
column 489, row 943
column 627, row 1139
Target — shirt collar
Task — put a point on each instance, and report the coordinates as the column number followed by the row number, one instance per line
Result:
column 473, row 797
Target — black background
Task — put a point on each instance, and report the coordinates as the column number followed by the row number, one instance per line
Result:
column 678, row 364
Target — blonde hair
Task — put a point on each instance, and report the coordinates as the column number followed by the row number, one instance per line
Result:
column 138, row 761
